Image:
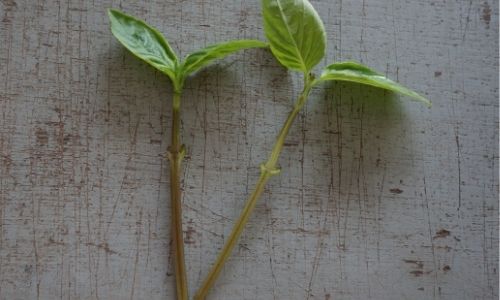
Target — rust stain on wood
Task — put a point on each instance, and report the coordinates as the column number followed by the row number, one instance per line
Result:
column 442, row 233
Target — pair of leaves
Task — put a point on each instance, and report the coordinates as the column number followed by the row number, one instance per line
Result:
column 297, row 39
column 148, row 44
column 296, row 36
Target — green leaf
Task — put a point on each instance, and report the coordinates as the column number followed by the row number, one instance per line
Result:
column 295, row 32
column 144, row 41
column 355, row 72
column 205, row 56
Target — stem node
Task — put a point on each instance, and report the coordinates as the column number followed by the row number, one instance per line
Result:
column 269, row 170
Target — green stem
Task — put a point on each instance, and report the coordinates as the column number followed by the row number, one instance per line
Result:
column 175, row 155
column 267, row 170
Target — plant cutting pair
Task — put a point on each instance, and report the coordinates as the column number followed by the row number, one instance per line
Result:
column 149, row 45
column 297, row 39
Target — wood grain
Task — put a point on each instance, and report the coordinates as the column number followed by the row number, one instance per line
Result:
column 379, row 197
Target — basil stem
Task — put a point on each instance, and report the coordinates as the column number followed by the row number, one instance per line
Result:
column 175, row 155
column 267, row 170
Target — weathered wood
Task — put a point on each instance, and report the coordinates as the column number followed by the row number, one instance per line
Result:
column 378, row 197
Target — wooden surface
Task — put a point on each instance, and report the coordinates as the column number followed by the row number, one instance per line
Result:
column 379, row 197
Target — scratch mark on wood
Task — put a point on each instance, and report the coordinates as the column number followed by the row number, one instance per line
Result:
column 137, row 251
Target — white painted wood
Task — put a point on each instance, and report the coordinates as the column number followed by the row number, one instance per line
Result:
column 379, row 197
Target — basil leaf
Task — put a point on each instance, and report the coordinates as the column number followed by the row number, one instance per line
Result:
column 144, row 41
column 205, row 56
column 355, row 72
column 295, row 32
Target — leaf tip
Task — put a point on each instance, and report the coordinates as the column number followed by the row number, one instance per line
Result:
column 114, row 15
column 421, row 98
column 113, row 12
